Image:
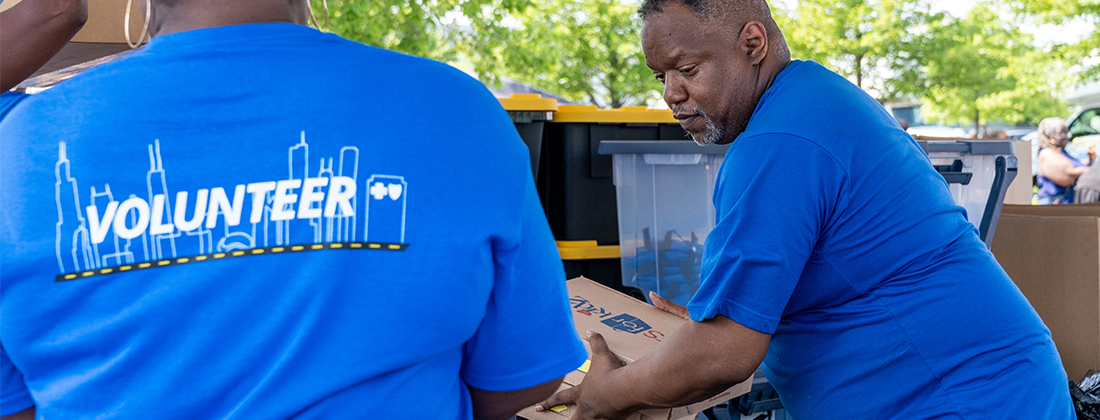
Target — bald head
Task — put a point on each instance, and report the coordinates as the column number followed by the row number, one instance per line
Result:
column 715, row 59
column 732, row 14
column 711, row 8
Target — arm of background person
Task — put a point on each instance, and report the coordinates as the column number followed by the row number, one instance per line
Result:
column 1058, row 169
column 32, row 31
column 27, row 414
column 489, row 405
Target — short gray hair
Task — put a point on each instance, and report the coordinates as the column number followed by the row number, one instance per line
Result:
column 1046, row 130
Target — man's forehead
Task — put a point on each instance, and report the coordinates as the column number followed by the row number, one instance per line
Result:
column 676, row 33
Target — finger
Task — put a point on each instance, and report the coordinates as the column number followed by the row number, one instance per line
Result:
column 600, row 351
column 565, row 397
column 669, row 306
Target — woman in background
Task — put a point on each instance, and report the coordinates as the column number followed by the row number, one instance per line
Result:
column 1057, row 169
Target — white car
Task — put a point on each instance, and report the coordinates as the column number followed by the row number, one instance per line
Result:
column 1084, row 125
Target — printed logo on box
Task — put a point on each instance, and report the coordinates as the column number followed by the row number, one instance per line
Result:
column 623, row 322
column 626, row 323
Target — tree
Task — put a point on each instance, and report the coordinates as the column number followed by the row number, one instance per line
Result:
column 587, row 51
column 426, row 28
column 1084, row 52
column 874, row 42
column 981, row 68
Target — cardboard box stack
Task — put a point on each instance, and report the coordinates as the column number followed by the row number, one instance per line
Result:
column 1052, row 253
column 632, row 329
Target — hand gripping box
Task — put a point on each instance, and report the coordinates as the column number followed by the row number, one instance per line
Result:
column 631, row 328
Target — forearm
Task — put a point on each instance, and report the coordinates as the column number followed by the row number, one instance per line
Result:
column 695, row 362
column 490, row 405
column 1067, row 176
column 32, row 31
column 27, row 414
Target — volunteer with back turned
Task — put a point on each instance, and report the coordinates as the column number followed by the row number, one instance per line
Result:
column 249, row 218
column 839, row 258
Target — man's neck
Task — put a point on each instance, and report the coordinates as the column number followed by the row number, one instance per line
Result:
column 188, row 15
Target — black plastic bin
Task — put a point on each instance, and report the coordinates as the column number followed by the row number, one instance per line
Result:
column 575, row 180
column 529, row 113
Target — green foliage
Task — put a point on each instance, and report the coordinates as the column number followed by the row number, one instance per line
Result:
column 587, row 51
column 982, row 68
column 873, row 42
column 424, row 28
column 1059, row 11
column 970, row 70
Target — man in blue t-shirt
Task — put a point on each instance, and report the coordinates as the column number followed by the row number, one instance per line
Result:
column 838, row 259
column 249, row 218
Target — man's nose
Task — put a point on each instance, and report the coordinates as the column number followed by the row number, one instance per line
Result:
column 674, row 90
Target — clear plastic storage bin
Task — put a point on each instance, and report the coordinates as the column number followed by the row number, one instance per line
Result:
column 663, row 190
column 978, row 174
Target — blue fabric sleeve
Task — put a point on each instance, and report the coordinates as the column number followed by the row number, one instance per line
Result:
column 13, row 393
column 774, row 196
column 527, row 336
column 8, row 101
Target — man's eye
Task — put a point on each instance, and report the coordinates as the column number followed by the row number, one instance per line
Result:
column 660, row 78
column 690, row 70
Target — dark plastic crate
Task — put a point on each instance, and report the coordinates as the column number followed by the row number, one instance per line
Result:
column 575, row 180
column 529, row 113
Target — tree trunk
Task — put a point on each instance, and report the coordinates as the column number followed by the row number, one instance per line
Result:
column 859, row 70
column 613, row 60
column 977, row 122
column 592, row 97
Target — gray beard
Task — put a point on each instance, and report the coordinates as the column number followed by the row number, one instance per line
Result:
column 713, row 132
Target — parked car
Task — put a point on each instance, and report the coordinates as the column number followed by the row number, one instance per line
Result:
column 1084, row 125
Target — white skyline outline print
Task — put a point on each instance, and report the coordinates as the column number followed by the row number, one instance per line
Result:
column 88, row 243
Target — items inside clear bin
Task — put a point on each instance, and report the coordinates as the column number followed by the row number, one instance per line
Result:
column 668, row 265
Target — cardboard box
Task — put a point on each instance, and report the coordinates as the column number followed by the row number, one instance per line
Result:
column 1019, row 191
column 632, row 329
column 105, row 19
column 1052, row 253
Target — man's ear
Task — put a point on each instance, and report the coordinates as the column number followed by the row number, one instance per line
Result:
column 754, row 41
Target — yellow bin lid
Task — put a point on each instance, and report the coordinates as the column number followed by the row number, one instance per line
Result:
column 528, row 102
column 626, row 114
column 586, row 250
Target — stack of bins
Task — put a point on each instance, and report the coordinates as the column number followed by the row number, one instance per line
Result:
column 529, row 113
column 978, row 174
column 665, row 211
column 576, row 187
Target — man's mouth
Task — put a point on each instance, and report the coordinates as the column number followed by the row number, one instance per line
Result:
column 686, row 120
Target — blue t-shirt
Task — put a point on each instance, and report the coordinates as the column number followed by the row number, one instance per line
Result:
column 8, row 101
column 836, row 235
column 265, row 221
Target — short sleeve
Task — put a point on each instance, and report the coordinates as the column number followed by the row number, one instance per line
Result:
column 8, row 101
column 527, row 336
column 774, row 196
column 14, row 396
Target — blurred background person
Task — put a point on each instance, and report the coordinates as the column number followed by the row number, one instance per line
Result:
column 1057, row 169
column 1087, row 189
column 995, row 134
